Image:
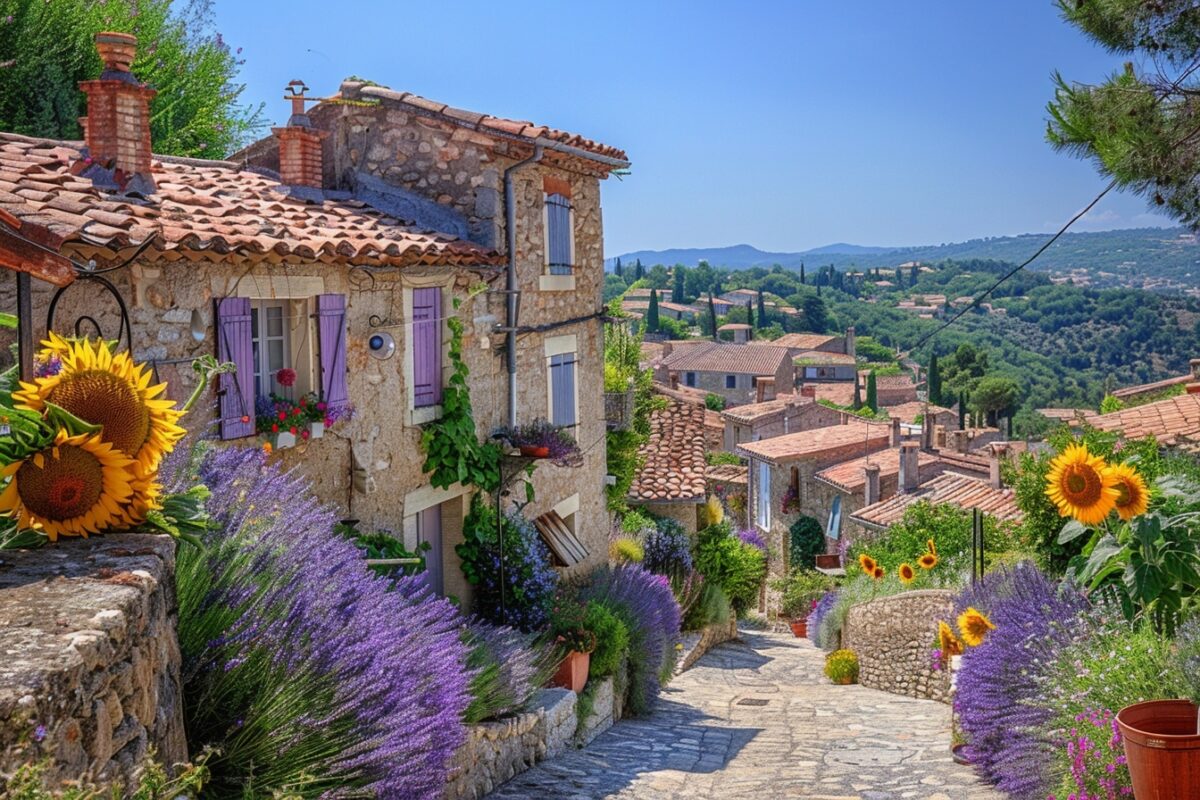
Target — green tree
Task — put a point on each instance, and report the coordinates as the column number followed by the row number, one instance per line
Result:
column 712, row 316
column 899, row 278
column 872, row 392
column 677, row 291
column 962, row 411
column 638, row 271
column 801, row 272
column 618, row 269
column 762, row 311
column 934, row 381
column 749, row 314
column 857, row 393
column 652, row 312
column 1138, row 126
column 657, row 277
column 914, row 273
column 48, row 48
column 995, row 395
column 816, row 316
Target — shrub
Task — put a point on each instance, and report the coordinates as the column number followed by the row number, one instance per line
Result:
column 299, row 664
column 508, row 668
column 636, row 520
column 717, row 457
column 711, row 608
column 949, row 527
column 714, row 402
column 1001, row 681
column 626, row 550
column 1188, row 641
column 841, row 666
column 754, row 538
column 668, row 549
column 529, row 580
column 1095, row 760
column 800, row 590
column 816, row 617
column 612, row 640
column 806, row 540
column 859, row 589
column 738, row 568
column 644, row 603
column 712, row 512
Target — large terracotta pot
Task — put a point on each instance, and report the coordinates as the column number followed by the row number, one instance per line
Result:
column 1162, row 746
column 829, row 561
column 533, row 451
column 573, row 671
column 799, row 627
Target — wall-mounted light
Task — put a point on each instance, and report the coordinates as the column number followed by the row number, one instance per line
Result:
column 198, row 328
column 381, row 346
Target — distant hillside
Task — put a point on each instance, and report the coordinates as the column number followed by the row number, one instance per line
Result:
column 1149, row 258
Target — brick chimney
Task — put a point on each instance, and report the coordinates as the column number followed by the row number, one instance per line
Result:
column 1195, row 367
column 808, row 390
column 998, row 452
column 300, row 143
column 896, row 436
column 910, row 455
column 871, row 488
column 117, row 126
column 765, row 387
column 673, row 379
column 939, row 436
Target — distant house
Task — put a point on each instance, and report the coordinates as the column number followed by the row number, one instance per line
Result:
column 672, row 479
column 895, row 390
column 807, row 342
column 1171, row 421
column 736, row 332
column 769, row 418
column 741, row 297
column 815, row 365
column 643, row 294
column 728, row 370
column 908, row 413
column 665, row 309
column 948, row 488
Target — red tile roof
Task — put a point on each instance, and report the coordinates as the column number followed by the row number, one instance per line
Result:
column 800, row 341
column 215, row 211
column 817, row 441
column 1151, row 388
column 729, row 473
column 815, row 358
column 908, row 412
column 472, row 120
column 1165, row 419
column 729, row 358
column 848, row 475
column 839, row 392
column 756, row 411
column 948, row 488
column 674, row 467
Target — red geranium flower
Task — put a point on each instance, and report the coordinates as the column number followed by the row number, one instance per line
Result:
column 275, row 428
column 286, row 376
column 304, row 434
column 295, row 412
column 293, row 430
column 282, row 416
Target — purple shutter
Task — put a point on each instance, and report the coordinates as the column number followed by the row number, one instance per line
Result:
column 429, row 523
column 235, row 343
column 558, row 235
column 331, row 337
column 562, row 388
column 427, row 347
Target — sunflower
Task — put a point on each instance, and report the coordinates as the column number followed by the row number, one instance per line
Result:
column 1081, row 485
column 907, row 574
column 111, row 391
column 144, row 496
column 951, row 645
column 867, row 563
column 931, row 547
column 974, row 626
column 79, row 485
column 927, row 561
column 878, row 573
column 1133, row 496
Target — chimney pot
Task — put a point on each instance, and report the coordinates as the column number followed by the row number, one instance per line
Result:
column 927, row 431
column 910, row 456
column 998, row 452
column 1193, row 388
column 117, row 128
column 896, row 435
column 300, row 157
column 1195, row 366
column 871, row 489
column 117, row 50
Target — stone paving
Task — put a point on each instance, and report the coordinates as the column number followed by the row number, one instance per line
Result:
column 756, row 719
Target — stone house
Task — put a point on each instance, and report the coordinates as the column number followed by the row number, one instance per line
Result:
column 729, row 370
column 909, row 412
column 895, row 390
column 950, row 488
column 800, row 343
column 338, row 248
column 672, row 480
column 784, row 414
column 817, row 365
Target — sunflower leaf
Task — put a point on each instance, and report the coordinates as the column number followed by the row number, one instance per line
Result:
column 59, row 416
column 1071, row 531
column 8, row 320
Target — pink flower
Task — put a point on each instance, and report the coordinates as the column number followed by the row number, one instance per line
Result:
column 286, row 376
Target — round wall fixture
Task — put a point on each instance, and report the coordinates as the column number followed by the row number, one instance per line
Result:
column 381, row 346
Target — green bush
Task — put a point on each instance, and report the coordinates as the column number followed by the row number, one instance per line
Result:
column 712, row 608
column 950, row 529
column 799, row 589
column 626, row 550
column 738, row 568
column 806, row 540
column 637, row 520
column 714, row 402
column 841, row 666
column 715, row 458
column 612, row 640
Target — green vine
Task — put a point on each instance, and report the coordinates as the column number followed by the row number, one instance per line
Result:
column 453, row 452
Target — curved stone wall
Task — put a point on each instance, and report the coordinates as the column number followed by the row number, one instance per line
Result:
column 894, row 638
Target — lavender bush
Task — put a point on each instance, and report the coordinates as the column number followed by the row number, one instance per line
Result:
column 311, row 675
column 528, row 579
column 668, row 549
column 999, row 702
column 508, row 666
column 753, row 537
column 645, row 604
column 815, row 617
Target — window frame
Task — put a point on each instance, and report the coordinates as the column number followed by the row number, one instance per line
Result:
column 689, row 379
column 558, row 277
column 762, row 496
column 298, row 340
column 731, row 381
column 557, row 347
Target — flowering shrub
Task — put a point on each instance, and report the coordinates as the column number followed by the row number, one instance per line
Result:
column 644, row 603
column 738, row 568
column 999, row 685
column 277, row 414
column 568, row 623
column 507, row 667
column 668, row 549
column 560, row 446
column 529, row 580
column 1188, row 641
column 790, row 503
column 626, row 550
column 298, row 663
column 816, row 617
column 1097, row 758
column 752, row 537
column 841, row 666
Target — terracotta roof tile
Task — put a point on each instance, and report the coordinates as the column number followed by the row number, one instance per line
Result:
column 674, row 467
column 817, row 441
column 752, row 412
column 730, row 358
column 849, row 477
column 213, row 209
column 908, row 412
column 800, row 341
column 1151, row 388
column 949, row 488
column 815, row 358
column 729, row 473
column 1166, row 420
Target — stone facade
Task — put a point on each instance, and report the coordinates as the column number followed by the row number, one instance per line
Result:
column 686, row 514
column 894, row 638
column 91, row 679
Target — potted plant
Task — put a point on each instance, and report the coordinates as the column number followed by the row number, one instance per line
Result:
column 799, row 592
column 541, row 439
column 1162, row 748
column 568, row 623
column 841, row 667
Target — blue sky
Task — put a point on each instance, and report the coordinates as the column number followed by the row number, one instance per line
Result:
column 786, row 125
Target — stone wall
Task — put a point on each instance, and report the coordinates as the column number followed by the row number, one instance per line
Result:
column 894, row 638
column 90, row 679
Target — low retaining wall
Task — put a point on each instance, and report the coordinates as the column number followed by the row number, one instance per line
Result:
column 894, row 637
column 90, row 673
column 697, row 643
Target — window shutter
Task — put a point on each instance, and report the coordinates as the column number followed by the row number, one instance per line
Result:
column 558, row 235
column 562, row 389
column 427, row 347
column 235, row 344
column 331, row 338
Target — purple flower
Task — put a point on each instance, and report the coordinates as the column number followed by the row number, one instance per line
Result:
column 752, row 537
column 667, row 549
column 818, row 613
column 39, row 733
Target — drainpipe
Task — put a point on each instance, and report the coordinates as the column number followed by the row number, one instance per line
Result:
column 510, row 280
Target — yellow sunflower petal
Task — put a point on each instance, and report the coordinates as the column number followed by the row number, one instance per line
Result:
column 1133, row 498
column 1081, row 485
column 974, row 626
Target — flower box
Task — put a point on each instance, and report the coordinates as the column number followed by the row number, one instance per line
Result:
column 533, row 451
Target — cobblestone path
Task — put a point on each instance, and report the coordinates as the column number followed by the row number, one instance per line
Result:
column 808, row 740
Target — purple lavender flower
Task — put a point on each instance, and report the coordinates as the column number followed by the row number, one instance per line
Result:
column 752, row 537
column 818, row 613
column 529, row 580
column 998, row 697
column 509, row 667
column 39, row 733
column 667, row 548
column 646, row 605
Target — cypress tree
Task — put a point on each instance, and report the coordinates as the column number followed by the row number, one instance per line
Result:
column 802, row 272
column 677, row 290
column 899, row 278
column 934, row 381
column 762, row 310
column 750, row 313
column 962, row 411
column 872, row 392
column 638, row 272
column 652, row 312
column 712, row 315
column 857, row 392
column 914, row 274
column 618, row 269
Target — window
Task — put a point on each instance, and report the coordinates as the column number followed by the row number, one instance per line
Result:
column 429, row 531
column 562, row 389
column 689, row 379
column 269, row 325
column 426, row 344
column 560, row 238
column 763, row 495
column 731, row 381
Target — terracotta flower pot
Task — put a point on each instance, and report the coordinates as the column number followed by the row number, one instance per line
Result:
column 799, row 627
column 573, row 671
column 1162, row 746
column 533, row 451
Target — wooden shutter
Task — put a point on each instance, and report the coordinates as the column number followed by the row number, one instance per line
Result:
column 331, row 338
column 427, row 347
column 558, row 233
column 235, row 343
column 429, row 529
column 562, row 389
